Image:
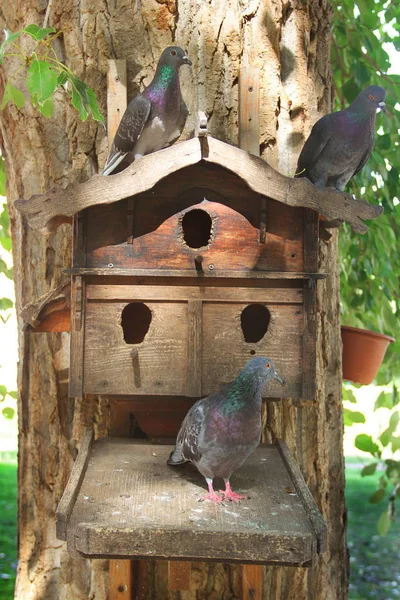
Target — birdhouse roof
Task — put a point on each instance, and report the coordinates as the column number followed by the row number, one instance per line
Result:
column 47, row 211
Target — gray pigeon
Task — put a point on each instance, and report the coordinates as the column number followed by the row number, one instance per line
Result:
column 221, row 431
column 341, row 143
column 156, row 118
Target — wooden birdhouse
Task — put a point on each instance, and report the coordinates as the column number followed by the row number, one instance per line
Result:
column 185, row 265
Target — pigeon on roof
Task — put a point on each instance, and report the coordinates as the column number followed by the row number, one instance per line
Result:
column 220, row 431
column 155, row 118
column 341, row 143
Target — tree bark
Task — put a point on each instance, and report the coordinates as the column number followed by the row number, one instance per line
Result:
column 289, row 41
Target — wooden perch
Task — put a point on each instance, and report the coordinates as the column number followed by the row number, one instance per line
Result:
column 45, row 212
column 51, row 312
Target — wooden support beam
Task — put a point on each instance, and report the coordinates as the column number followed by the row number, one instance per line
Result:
column 179, row 575
column 252, row 582
column 116, row 96
column 121, row 580
column 194, row 348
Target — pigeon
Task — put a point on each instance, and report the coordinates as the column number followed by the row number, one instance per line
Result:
column 156, row 118
column 341, row 143
column 220, row 431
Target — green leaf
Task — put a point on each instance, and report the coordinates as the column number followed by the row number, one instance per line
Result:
column 377, row 496
column 384, row 400
column 393, row 471
column 41, row 80
column 10, row 37
column 62, row 78
column 3, row 391
column 352, row 416
column 6, row 303
column 94, row 107
column 47, row 107
column 38, row 33
column 364, row 442
column 348, row 395
column 79, row 97
column 369, row 469
column 13, row 395
column 384, row 523
column 395, row 444
column 8, row 412
column 11, row 94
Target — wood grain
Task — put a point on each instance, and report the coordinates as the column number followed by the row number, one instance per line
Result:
column 252, row 582
column 116, row 96
column 249, row 110
column 44, row 211
column 194, row 347
column 215, row 274
column 78, row 309
column 131, row 504
column 65, row 507
column 120, row 580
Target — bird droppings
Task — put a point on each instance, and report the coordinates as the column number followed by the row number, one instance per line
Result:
column 162, row 498
column 233, row 514
column 119, row 470
column 86, row 497
column 125, row 495
column 153, row 454
column 198, row 510
column 116, row 512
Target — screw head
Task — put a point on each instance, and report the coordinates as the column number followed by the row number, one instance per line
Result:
column 211, row 267
column 110, row 265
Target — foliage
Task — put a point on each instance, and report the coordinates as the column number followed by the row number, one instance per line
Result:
column 370, row 264
column 374, row 571
column 45, row 74
column 8, row 528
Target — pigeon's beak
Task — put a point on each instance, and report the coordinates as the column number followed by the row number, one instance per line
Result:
column 382, row 106
column 276, row 376
column 186, row 61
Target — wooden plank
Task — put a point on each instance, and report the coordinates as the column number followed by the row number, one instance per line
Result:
column 252, row 582
column 78, row 302
column 45, row 211
column 132, row 504
column 160, row 367
column 160, row 235
column 317, row 522
column 249, row 110
column 121, row 580
column 186, row 293
column 309, row 341
column 194, row 348
column 116, row 96
column 179, row 575
column 66, row 504
column 215, row 274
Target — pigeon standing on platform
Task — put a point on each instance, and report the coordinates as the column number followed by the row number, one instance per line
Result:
column 341, row 143
column 156, row 118
column 219, row 432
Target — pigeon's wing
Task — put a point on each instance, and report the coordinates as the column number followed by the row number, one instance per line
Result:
column 316, row 142
column 187, row 442
column 129, row 130
column 364, row 160
column 181, row 123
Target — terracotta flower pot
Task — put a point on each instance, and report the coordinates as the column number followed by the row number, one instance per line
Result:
column 363, row 353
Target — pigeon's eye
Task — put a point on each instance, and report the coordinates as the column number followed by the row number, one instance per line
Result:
column 267, row 365
column 173, row 52
column 371, row 98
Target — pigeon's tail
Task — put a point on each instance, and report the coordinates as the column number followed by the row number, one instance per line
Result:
column 113, row 160
column 176, row 457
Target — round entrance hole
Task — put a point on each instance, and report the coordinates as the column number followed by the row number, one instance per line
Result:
column 135, row 322
column 254, row 321
column 196, row 227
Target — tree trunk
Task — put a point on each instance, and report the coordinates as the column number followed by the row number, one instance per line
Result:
column 289, row 41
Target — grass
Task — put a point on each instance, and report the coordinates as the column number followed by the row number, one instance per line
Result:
column 374, row 560
column 8, row 529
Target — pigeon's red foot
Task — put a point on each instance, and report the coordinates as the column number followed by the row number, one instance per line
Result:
column 213, row 496
column 230, row 495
